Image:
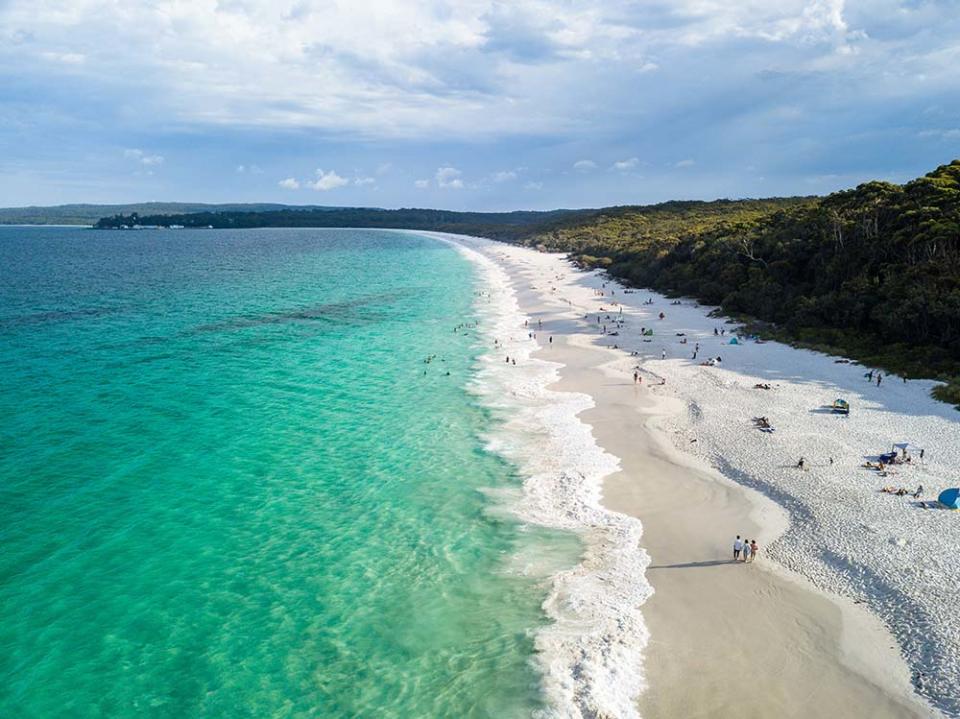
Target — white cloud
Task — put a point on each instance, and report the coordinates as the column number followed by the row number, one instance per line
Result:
column 66, row 58
column 291, row 183
column 143, row 158
column 421, row 184
column 251, row 169
column 377, row 68
column 327, row 181
column 533, row 185
column 384, row 168
column 361, row 181
column 449, row 178
column 521, row 81
column 504, row 176
column 625, row 165
column 685, row 163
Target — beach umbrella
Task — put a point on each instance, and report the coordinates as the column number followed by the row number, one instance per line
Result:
column 950, row 498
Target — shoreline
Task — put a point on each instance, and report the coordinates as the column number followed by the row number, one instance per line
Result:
column 589, row 653
column 799, row 650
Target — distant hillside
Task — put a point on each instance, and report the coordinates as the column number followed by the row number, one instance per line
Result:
column 503, row 225
column 89, row 214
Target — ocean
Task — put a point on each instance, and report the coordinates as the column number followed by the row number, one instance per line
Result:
column 231, row 484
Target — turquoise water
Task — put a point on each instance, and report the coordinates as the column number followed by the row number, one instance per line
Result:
column 227, row 487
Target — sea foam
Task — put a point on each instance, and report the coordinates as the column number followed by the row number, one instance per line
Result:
column 590, row 654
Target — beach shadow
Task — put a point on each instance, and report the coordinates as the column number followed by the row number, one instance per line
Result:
column 929, row 504
column 693, row 565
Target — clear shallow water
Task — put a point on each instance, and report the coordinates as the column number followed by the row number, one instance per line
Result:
column 227, row 488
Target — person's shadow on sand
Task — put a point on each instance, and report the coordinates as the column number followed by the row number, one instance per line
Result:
column 693, row 565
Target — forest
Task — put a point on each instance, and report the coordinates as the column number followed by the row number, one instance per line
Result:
column 872, row 272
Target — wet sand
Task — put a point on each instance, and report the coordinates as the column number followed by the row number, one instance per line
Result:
column 727, row 639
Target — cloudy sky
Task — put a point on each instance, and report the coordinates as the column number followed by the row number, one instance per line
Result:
column 470, row 104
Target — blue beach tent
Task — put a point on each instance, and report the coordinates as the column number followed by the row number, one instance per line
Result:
column 950, row 498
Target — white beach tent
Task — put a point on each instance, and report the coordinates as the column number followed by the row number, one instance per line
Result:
column 907, row 447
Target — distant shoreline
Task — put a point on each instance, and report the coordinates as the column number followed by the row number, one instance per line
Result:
column 44, row 224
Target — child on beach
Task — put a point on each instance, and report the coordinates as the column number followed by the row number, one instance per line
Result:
column 746, row 551
column 753, row 550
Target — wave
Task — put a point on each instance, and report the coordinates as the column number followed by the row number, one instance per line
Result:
column 590, row 654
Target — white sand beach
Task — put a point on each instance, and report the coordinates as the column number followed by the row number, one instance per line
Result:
column 851, row 607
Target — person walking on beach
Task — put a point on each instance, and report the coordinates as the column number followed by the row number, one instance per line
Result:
column 753, row 550
column 746, row 550
column 801, row 463
column 663, row 354
column 737, row 548
column 879, row 379
column 551, row 339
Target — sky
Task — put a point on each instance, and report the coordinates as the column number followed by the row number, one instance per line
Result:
column 471, row 104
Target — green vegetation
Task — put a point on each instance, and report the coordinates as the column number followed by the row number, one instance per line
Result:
column 502, row 225
column 89, row 214
column 872, row 273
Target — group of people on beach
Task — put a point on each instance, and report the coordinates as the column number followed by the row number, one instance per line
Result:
column 747, row 547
